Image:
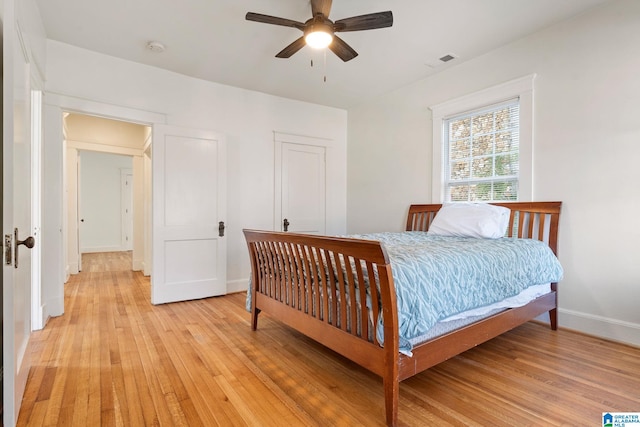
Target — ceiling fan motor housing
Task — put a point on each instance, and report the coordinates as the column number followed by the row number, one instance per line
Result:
column 318, row 23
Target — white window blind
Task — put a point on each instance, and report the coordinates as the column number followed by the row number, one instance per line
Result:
column 482, row 154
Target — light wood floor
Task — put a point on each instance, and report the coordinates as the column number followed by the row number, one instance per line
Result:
column 114, row 359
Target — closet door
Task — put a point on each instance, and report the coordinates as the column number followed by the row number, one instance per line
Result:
column 300, row 188
column 189, row 205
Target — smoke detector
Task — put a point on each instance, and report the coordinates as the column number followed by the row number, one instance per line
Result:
column 154, row 46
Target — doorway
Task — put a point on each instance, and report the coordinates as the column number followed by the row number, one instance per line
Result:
column 155, row 241
column 105, row 202
column 105, row 188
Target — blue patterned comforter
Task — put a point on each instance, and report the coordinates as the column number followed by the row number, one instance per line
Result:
column 436, row 277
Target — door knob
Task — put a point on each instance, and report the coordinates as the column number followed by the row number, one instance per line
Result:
column 285, row 224
column 29, row 242
column 221, row 228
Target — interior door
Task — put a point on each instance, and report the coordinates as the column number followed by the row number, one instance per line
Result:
column 188, row 169
column 302, row 188
column 16, row 211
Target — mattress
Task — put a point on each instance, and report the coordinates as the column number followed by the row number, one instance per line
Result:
column 470, row 316
column 437, row 277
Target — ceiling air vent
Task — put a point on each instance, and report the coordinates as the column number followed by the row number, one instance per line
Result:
column 447, row 58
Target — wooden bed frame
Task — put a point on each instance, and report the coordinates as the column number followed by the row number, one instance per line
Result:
column 284, row 266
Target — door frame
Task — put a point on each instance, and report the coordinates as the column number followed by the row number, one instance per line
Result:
column 56, row 105
column 37, row 318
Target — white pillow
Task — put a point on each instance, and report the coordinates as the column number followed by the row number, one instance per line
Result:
column 471, row 220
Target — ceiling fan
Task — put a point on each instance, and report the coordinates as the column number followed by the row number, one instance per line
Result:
column 319, row 31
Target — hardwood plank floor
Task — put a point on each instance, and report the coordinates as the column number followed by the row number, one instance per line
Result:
column 115, row 359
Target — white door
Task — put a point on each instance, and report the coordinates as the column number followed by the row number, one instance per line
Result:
column 302, row 188
column 16, row 209
column 189, row 203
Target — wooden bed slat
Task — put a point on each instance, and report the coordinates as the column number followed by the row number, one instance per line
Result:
column 520, row 231
column 510, row 228
column 540, row 236
column 331, row 294
column 375, row 301
column 313, row 284
column 362, row 324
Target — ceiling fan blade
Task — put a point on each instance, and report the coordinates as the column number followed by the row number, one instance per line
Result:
column 364, row 22
column 321, row 6
column 292, row 48
column 342, row 49
column 267, row 19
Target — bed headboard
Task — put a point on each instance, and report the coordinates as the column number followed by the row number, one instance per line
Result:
column 533, row 220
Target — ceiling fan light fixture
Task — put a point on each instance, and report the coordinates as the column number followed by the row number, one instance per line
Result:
column 318, row 35
column 318, row 39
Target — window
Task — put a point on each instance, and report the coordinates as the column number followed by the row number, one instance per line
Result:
column 481, row 152
column 483, row 145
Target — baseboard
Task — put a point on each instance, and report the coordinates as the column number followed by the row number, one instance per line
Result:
column 604, row 327
column 73, row 268
column 138, row 265
column 234, row 286
column 41, row 319
column 145, row 270
column 103, row 249
column 53, row 308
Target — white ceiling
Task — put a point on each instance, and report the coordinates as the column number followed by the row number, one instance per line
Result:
column 211, row 40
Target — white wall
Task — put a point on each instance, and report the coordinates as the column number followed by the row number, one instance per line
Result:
column 247, row 119
column 100, row 198
column 53, row 216
column 586, row 150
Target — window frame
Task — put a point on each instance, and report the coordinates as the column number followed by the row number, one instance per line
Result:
column 521, row 88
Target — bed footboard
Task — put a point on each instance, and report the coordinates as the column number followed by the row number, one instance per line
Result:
column 332, row 290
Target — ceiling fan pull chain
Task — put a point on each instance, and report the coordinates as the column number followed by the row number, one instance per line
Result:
column 325, row 65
